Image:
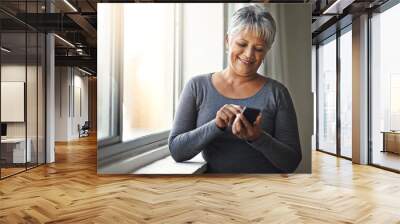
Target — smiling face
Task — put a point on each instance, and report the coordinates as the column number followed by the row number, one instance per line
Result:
column 246, row 52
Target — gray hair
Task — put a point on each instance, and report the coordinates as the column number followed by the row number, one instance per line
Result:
column 254, row 18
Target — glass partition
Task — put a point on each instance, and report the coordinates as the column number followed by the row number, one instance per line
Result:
column 22, row 88
column 15, row 151
column 327, row 95
column 385, row 89
column 346, row 93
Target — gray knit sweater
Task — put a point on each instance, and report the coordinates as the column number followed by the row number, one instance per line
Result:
column 194, row 130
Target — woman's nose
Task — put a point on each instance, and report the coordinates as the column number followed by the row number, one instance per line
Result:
column 249, row 53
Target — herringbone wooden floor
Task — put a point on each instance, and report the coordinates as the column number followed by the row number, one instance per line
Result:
column 70, row 191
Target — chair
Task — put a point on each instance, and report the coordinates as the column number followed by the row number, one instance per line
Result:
column 84, row 130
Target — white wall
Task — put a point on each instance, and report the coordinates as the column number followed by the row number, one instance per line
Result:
column 314, row 92
column 13, row 100
column 67, row 115
column 50, row 95
column 61, row 103
column 203, row 39
column 33, row 126
column 12, row 73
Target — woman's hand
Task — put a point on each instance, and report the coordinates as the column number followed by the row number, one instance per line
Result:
column 242, row 128
column 226, row 115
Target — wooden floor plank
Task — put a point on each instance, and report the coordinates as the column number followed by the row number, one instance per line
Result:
column 70, row 191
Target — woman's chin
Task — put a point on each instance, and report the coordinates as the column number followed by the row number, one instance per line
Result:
column 243, row 70
column 246, row 72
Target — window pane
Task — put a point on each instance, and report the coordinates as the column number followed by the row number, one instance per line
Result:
column 327, row 96
column 148, row 69
column 386, row 88
column 109, row 42
column 345, row 94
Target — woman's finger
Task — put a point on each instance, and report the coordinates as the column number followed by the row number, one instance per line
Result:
column 234, row 130
column 258, row 120
column 230, row 115
column 240, row 126
column 225, row 117
column 221, row 119
column 236, row 124
column 235, row 109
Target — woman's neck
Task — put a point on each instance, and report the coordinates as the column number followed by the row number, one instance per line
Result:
column 234, row 79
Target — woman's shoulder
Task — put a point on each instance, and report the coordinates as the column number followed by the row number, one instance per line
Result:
column 279, row 91
column 200, row 79
column 199, row 82
column 275, row 86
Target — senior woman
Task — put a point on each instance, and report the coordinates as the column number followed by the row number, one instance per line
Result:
column 209, row 118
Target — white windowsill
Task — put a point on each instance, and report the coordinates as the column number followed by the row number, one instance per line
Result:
column 168, row 165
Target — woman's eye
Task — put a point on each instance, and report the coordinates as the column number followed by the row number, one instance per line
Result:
column 260, row 50
column 242, row 45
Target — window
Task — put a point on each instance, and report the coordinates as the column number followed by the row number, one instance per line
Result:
column 145, row 65
column 346, row 93
column 327, row 95
column 334, row 106
column 148, row 68
column 385, row 87
column 109, row 29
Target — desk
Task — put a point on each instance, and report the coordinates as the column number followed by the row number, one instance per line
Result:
column 196, row 165
column 391, row 141
column 13, row 150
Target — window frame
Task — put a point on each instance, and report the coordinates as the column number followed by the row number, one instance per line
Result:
column 110, row 149
column 332, row 37
column 343, row 31
column 347, row 27
column 114, row 135
column 378, row 10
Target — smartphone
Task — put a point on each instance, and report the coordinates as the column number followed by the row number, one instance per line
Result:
column 250, row 114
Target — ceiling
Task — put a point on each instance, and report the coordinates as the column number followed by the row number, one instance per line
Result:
column 328, row 16
column 74, row 21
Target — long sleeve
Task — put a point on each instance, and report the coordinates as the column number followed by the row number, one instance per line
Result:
column 186, row 140
column 283, row 149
